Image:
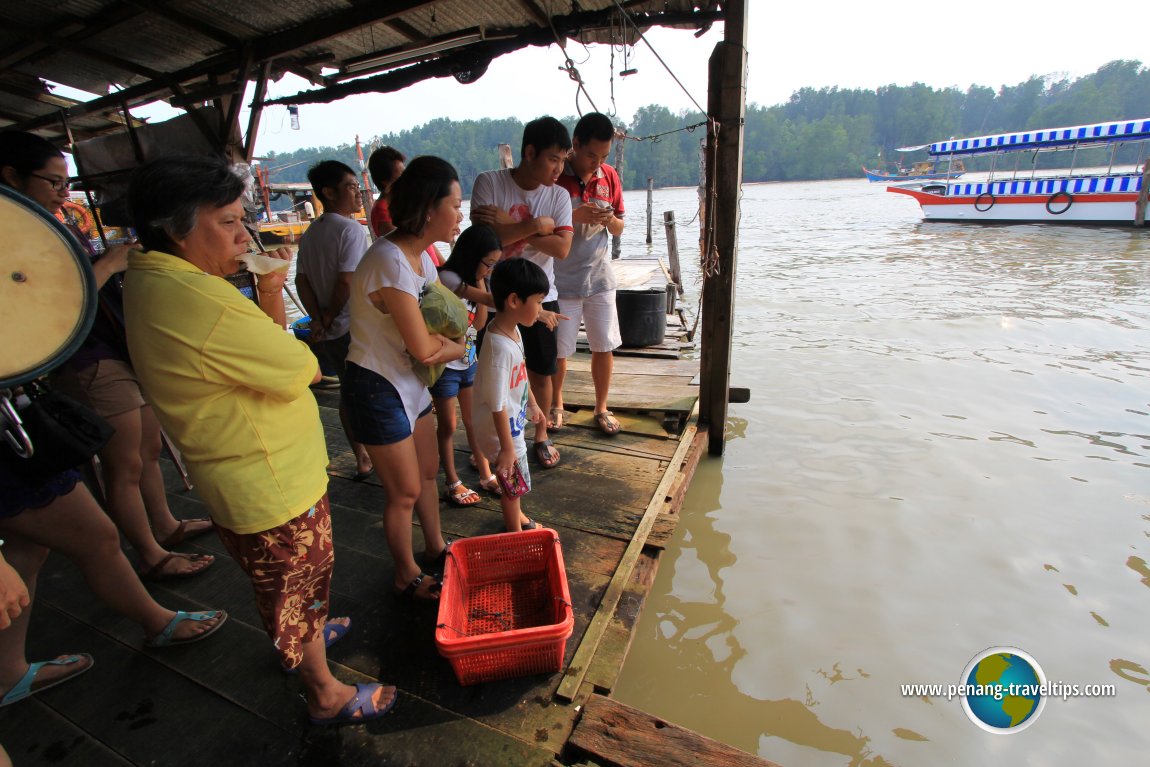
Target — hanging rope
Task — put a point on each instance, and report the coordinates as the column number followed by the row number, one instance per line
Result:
column 639, row 32
column 611, row 69
column 570, row 68
column 573, row 73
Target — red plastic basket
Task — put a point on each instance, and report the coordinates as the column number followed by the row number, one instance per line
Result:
column 505, row 609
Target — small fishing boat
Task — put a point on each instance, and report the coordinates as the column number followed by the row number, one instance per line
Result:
column 925, row 170
column 1105, row 184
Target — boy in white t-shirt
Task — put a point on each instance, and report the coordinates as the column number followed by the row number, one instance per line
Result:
column 503, row 403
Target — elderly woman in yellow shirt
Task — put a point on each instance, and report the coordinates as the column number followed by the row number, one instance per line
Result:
column 230, row 386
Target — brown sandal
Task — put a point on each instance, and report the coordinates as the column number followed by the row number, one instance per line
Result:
column 607, row 423
column 181, row 533
column 543, row 453
column 556, row 419
column 156, row 573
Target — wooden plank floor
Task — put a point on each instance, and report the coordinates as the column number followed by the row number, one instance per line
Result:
column 224, row 701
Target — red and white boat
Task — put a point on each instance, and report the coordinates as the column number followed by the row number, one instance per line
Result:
column 1113, row 194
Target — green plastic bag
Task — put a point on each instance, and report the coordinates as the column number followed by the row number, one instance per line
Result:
column 443, row 313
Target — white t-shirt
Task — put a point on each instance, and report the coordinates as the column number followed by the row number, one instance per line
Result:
column 500, row 384
column 376, row 343
column 332, row 244
column 497, row 187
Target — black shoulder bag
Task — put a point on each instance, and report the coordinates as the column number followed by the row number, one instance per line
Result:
column 49, row 435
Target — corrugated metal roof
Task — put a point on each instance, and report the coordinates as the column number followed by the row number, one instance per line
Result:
column 144, row 50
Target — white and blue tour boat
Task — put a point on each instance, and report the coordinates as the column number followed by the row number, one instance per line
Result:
column 1113, row 194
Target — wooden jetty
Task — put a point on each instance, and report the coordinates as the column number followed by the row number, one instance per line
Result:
column 614, row 503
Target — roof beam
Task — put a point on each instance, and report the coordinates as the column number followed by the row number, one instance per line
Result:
column 283, row 43
column 533, row 8
column 51, row 99
column 508, row 40
column 164, row 9
column 309, row 34
column 73, row 29
column 75, row 46
column 407, row 30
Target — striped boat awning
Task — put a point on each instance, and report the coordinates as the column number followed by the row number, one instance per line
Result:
column 1101, row 133
column 1080, row 185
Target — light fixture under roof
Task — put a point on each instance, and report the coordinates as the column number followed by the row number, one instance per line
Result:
column 410, row 54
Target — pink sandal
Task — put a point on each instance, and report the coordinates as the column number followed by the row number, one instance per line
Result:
column 491, row 485
column 459, row 494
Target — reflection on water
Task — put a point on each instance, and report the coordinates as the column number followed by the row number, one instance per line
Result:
column 946, row 449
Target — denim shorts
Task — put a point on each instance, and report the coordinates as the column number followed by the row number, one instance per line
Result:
column 374, row 408
column 452, row 381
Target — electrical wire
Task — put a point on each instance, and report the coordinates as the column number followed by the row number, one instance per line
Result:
column 657, row 56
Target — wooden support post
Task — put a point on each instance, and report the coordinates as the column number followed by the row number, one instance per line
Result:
column 726, row 105
column 620, row 141
column 506, row 160
column 673, row 249
column 1143, row 197
column 80, row 170
column 230, row 136
column 261, row 92
column 650, row 194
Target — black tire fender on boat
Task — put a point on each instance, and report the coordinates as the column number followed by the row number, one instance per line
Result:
column 1054, row 199
column 978, row 202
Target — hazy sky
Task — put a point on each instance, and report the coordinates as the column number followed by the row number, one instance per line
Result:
column 791, row 45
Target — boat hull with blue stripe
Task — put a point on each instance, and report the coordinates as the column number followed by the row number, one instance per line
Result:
column 877, row 176
column 1102, row 196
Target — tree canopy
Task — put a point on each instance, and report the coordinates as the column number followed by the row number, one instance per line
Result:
column 817, row 134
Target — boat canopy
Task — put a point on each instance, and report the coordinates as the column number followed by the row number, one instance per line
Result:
column 1048, row 138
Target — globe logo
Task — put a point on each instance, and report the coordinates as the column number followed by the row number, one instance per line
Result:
column 1004, row 690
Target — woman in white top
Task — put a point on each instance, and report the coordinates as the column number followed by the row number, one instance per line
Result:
column 387, row 403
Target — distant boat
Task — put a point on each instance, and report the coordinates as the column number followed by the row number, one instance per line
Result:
column 286, row 227
column 920, row 171
column 1114, row 194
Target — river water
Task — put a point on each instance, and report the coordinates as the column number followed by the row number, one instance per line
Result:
column 946, row 450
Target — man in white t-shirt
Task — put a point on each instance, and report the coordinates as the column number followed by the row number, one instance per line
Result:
column 532, row 217
column 586, row 279
column 329, row 251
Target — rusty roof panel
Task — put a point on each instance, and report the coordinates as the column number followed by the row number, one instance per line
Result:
column 140, row 44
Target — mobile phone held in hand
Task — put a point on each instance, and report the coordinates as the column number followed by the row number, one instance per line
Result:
column 512, row 482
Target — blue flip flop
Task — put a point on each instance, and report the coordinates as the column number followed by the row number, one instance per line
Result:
column 360, row 708
column 23, row 688
column 332, row 633
column 167, row 637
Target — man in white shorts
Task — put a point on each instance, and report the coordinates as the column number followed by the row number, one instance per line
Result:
column 585, row 280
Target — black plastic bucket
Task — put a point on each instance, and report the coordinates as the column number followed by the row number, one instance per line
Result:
column 642, row 316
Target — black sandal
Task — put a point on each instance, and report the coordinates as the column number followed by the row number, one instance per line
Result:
column 436, row 565
column 411, row 591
